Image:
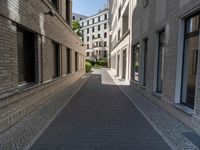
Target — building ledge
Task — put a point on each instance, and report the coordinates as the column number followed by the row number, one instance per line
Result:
column 159, row 95
column 185, row 109
column 122, row 38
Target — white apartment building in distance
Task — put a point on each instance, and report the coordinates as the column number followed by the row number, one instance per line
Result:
column 120, row 39
column 95, row 34
column 78, row 17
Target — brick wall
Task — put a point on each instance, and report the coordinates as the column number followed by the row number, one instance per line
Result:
column 171, row 14
column 17, row 102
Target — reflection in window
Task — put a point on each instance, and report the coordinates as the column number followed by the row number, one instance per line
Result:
column 190, row 61
column 145, row 60
column 161, row 52
column 136, row 64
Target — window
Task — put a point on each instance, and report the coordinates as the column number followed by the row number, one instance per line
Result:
column 97, row 44
column 88, row 31
column 119, row 12
column 105, row 54
column 93, row 37
column 92, row 29
column 105, row 35
column 88, row 54
column 88, row 38
column 88, row 46
column 26, row 56
column 55, row 3
column 119, row 34
column 82, row 35
column 99, row 36
column 145, row 52
column 100, row 44
column 68, row 60
column 82, row 24
column 161, row 52
column 145, row 3
column 105, row 44
column 93, row 21
column 190, row 60
column 81, row 19
column 73, row 17
column 56, row 60
column 106, row 16
column 99, row 18
column 88, row 22
column 136, row 64
column 76, row 61
column 68, row 12
column 105, row 26
column 99, row 27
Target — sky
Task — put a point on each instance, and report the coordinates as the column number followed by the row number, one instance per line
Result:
column 88, row 7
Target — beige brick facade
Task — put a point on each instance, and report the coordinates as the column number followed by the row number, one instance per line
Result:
column 17, row 102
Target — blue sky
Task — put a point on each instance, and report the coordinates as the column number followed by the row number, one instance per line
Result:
column 88, row 7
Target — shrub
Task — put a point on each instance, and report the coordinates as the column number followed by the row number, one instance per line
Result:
column 103, row 62
column 88, row 66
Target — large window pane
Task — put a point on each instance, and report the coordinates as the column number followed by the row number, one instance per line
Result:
column 26, row 56
column 145, row 60
column 190, row 61
column 136, row 62
column 56, row 60
column 192, row 24
column 161, row 52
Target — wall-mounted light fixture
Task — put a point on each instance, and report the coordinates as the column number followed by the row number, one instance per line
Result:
column 51, row 13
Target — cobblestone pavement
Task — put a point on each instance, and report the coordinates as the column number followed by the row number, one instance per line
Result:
column 100, row 117
column 19, row 136
column 171, row 129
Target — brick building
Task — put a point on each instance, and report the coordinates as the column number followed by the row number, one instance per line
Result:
column 39, row 55
column 162, row 55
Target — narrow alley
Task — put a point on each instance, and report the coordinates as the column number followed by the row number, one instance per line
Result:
column 100, row 117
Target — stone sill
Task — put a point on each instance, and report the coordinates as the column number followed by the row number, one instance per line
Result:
column 189, row 111
column 159, row 95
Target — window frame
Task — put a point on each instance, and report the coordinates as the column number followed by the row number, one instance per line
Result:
column 186, row 37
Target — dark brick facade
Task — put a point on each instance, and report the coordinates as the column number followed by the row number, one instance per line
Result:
column 18, row 101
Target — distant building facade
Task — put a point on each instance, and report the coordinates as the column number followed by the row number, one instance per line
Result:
column 95, row 34
column 155, row 47
column 120, row 38
column 78, row 17
column 39, row 55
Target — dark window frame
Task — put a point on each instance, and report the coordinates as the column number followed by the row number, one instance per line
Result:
column 76, row 61
column 68, row 60
column 186, row 37
column 145, row 60
column 99, row 27
column 57, row 59
column 55, row 4
column 27, row 60
column 158, row 61
column 136, row 48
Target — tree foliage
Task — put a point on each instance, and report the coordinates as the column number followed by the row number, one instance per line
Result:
column 76, row 27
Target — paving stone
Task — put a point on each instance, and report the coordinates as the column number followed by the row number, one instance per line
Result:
column 171, row 129
column 100, row 117
column 19, row 136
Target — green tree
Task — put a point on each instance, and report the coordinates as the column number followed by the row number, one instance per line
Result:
column 76, row 28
